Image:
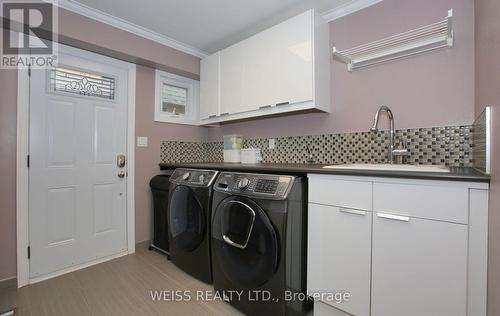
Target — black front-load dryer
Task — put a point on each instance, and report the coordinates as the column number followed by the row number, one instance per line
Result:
column 259, row 243
column 189, row 214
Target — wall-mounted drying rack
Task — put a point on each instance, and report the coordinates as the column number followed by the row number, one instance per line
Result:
column 423, row 39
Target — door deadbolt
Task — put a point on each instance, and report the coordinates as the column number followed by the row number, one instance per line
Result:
column 120, row 161
column 121, row 174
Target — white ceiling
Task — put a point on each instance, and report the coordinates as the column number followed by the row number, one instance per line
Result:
column 207, row 25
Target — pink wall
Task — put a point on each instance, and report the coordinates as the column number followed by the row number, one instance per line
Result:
column 91, row 35
column 488, row 93
column 8, row 126
column 434, row 89
column 147, row 158
column 79, row 31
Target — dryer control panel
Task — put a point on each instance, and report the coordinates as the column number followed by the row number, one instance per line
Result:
column 258, row 185
column 193, row 177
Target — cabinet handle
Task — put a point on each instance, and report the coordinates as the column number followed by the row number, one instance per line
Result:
column 394, row 217
column 223, row 114
column 351, row 211
column 282, row 103
column 265, row 106
column 212, row 116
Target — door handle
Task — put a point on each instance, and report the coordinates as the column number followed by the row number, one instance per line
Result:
column 121, row 160
column 121, row 174
column 228, row 240
column 394, row 217
column 351, row 211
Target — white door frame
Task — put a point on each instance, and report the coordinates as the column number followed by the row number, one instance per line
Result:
column 22, row 171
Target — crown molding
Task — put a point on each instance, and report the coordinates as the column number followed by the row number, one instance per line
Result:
column 124, row 25
column 347, row 8
column 100, row 16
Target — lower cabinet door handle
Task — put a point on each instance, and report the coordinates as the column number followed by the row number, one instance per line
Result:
column 352, row 211
column 394, row 217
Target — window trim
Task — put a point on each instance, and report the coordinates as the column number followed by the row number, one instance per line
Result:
column 191, row 116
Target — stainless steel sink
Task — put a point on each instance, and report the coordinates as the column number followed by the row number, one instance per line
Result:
column 391, row 167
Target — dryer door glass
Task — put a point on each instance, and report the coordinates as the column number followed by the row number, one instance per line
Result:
column 187, row 218
column 245, row 242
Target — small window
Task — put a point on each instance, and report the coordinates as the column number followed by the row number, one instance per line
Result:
column 176, row 99
column 74, row 81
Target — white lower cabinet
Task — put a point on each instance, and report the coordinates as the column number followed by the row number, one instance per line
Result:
column 419, row 267
column 340, row 233
column 425, row 257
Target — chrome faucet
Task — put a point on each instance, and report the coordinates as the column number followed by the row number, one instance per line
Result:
column 400, row 152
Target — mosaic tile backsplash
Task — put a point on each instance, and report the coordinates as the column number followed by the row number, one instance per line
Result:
column 451, row 146
column 174, row 151
column 481, row 142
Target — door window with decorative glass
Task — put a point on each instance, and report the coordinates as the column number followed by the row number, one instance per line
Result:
column 84, row 83
column 177, row 99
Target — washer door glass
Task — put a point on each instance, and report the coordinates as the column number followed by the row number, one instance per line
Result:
column 186, row 219
column 245, row 242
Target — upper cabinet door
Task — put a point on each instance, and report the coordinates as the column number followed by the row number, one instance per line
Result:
column 419, row 267
column 209, row 86
column 293, row 40
column 260, row 70
column 232, row 68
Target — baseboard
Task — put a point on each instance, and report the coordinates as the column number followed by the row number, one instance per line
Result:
column 12, row 281
column 76, row 267
column 8, row 282
column 143, row 244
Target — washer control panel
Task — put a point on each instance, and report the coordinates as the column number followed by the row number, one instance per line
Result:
column 193, row 177
column 259, row 185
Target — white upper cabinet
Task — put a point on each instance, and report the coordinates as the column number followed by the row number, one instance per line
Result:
column 282, row 69
column 209, row 86
column 294, row 60
column 231, row 79
column 260, row 59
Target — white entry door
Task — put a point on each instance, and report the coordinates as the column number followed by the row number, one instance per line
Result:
column 77, row 190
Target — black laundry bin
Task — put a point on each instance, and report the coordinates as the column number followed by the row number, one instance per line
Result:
column 160, row 188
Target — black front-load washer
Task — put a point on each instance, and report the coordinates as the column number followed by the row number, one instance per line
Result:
column 259, row 243
column 189, row 221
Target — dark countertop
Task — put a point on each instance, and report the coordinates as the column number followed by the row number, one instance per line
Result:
column 456, row 174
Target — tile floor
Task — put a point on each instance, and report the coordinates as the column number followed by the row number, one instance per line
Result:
column 118, row 287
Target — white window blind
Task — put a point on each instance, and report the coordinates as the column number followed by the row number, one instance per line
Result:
column 174, row 99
